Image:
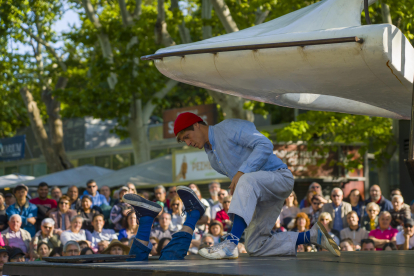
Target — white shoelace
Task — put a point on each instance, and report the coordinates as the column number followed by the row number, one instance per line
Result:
column 224, row 243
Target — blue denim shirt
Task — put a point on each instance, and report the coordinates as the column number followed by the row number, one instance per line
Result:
column 29, row 210
column 238, row 146
column 97, row 200
column 338, row 224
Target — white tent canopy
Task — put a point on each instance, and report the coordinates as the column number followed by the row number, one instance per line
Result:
column 371, row 73
column 70, row 177
column 155, row 171
column 13, row 179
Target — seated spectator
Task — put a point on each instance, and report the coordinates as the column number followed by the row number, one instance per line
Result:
column 92, row 191
column 326, row 220
column 389, row 247
column 316, row 188
column 75, row 232
column 120, row 210
column 71, row 248
column 399, row 213
column 16, row 255
column 172, row 192
column 163, row 243
column 87, row 212
column 160, row 195
column 384, row 233
column 314, row 210
column 106, row 192
column 16, row 236
column 216, row 230
column 397, row 191
column 132, row 188
column 87, row 251
column 405, row 238
column 130, row 225
column 358, row 205
column 223, row 216
column 9, row 200
column 102, row 246
column 75, row 201
column 43, row 250
column 100, row 234
column 4, row 258
column 302, row 223
column 56, row 193
column 117, row 248
column 207, row 241
column 176, row 210
column 63, row 215
column 367, row 245
column 45, row 235
column 338, row 209
column 377, row 197
column 83, row 244
column 124, row 241
column 219, row 206
column 154, row 242
column 370, row 221
column 44, row 205
column 353, row 231
column 205, row 219
column 347, row 245
column 162, row 231
column 56, row 252
column 277, row 228
column 3, row 215
column 22, row 207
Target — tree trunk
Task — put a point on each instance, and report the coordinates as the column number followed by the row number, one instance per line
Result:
column 138, row 128
column 161, row 34
column 223, row 13
column 206, row 9
column 52, row 160
column 386, row 15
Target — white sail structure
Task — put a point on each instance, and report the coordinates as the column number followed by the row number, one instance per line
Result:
column 369, row 71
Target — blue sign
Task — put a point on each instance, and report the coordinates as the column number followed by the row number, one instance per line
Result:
column 12, row 148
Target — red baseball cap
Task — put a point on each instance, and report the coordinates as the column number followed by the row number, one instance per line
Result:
column 185, row 120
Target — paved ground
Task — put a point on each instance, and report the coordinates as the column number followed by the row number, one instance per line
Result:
column 390, row 263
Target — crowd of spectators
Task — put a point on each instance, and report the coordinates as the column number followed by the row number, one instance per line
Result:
column 99, row 222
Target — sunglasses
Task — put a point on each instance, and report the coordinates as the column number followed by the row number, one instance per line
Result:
column 221, row 194
column 226, row 201
column 90, row 187
column 172, row 192
column 47, row 227
column 316, row 203
column 336, row 195
column 175, row 204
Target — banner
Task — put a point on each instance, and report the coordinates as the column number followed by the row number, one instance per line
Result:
column 12, row 148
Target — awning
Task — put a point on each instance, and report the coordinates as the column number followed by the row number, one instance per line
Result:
column 13, row 179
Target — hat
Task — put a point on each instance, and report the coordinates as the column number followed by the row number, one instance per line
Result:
column 113, row 243
column 124, row 188
column 185, row 120
column 409, row 221
column 19, row 186
column 3, row 249
column 8, row 195
column 14, row 252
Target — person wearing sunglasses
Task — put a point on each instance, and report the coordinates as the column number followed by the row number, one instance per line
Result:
column 92, row 191
column 219, row 206
column 314, row 210
column 176, row 210
column 45, row 235
column 223, row 216
column 338, row 209
column 405, row 238
column 63, row 215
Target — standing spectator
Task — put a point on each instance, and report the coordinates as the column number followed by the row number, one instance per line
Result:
column 370, row 221
column 367, row 245
column 216, row 230
column 56, row 193
column 75, row 201
column 176, row 209
column 26, row 210
column 338, row 209
column 45, row 235
column 92, row 191
column 347, row 245
column 314, row 211
column 353, row 231
column 302, row 223
column 116, row 248
column 316, row 188
column 16, row 255
column 162, row 231
column 130, row 225
column 87, row 212
column 384, row 233
column 3, row 215
column 63, row 215
column 4, row 258
column 106, row 192
column 405, row 238
column 43, row 250
column 289, row 210
column 131, row 187
column 71, row 248
column 377, row 197
column 356, row 202
column 15, row 236
column 44, row 205
column 219, row 206
column 172, row 192
column 214, row 189
column 75, row 233
column 100, row 234
column 120, row 210
column 399, row 213
column 326, row 219
column 205, row 219
column 10, row 200
column 222, row 216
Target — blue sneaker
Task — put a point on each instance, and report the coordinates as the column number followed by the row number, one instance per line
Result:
column 142, row 206
column 190, row 200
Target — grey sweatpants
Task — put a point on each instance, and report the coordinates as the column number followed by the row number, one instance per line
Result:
column 258, row 199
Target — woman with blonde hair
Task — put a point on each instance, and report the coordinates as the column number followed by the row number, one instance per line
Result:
column 289, row 210
column 176, row 209
column 326, row 219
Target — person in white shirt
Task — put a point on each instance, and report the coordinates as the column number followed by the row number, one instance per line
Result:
column 100, row 234
column 205, row 219
column 75, row 233
column 289, row 210
column 405, row 238
column 176, row 209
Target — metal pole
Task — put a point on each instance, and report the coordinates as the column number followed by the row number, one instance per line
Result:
column 367, row 19
column 410, row 161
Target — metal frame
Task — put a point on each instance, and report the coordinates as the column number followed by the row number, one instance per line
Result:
column 410, row 161
column 255, row 47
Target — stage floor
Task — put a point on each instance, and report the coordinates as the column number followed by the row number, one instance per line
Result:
column 318, row 264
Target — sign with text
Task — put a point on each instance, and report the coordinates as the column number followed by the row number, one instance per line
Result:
column 12, row 148
column 207, row 112
column 193, row 165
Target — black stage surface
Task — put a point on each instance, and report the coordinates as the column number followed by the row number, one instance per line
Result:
column 389, row 263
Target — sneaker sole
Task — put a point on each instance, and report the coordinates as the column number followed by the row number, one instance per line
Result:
column 184, row 188
column 224, row 258
column 332, row 246
column 152, row 206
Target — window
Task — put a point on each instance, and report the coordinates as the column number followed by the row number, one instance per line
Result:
column 103, row 161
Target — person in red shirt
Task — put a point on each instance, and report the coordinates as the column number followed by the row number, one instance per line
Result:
column 223, row 216
column 44, row 205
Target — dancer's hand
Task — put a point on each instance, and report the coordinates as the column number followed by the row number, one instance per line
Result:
column 234, row 181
